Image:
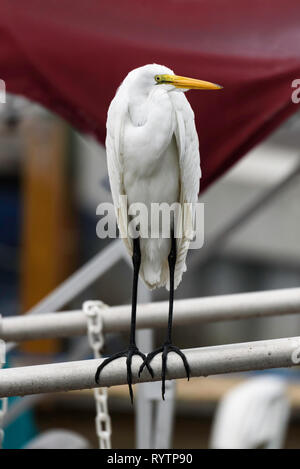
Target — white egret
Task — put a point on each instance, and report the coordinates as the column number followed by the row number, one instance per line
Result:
column 153, row 157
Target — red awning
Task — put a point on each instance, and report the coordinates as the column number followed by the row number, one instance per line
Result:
column 71, row 55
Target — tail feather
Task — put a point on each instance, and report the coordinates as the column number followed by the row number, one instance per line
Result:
column 154, row 267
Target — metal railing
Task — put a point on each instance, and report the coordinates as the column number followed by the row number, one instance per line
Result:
column 203, row 362
column 152, row 315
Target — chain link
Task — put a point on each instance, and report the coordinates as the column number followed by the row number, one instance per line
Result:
column 93, row 311
column 3, row 401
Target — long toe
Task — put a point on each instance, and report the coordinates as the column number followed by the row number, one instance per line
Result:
column 129, row 374
column 186, row 365
column 147, row 361
column 144, row 364
column 106, row 362
column 164, row 371
column 164, row 350
column 128, row 354
column 148, row 366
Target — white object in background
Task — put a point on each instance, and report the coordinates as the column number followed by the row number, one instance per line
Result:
column 156, row 414
column 93, row 311
column 58, row 439
column 3, row 401
column 253, row 415
column 154, row 417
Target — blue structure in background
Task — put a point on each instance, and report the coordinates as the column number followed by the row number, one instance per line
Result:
column 10, row 229
column 23, row 429
column 19, row 432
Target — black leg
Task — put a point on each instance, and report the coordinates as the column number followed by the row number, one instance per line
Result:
column 168, row 346
column 132, row 349
column 172, row 264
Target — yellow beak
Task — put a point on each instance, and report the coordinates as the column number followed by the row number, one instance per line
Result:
column 189, row 83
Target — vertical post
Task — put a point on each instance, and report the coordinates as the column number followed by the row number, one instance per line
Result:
column 47, row 248
column 143, row 406
column 154, row 417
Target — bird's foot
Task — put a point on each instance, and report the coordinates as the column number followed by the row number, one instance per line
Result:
column 128, row 354
column 164, row 350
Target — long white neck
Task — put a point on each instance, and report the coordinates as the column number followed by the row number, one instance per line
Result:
column 151, row 123
column 138, row 106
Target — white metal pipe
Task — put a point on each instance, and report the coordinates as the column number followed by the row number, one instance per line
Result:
column 77, row 352
column 203, row 362
column 188, row 311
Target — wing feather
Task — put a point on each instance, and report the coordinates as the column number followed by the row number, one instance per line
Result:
column 114, row 138
column 190, row 174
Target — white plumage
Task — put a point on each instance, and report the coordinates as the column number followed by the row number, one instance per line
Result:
column 153, row 156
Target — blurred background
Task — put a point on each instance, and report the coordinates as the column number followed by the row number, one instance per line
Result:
column 51, row 181
column 70, row 57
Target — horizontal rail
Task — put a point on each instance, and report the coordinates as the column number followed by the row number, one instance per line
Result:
column 204, row 361
column 188, row 311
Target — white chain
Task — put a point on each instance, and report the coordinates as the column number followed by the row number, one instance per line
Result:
column 3, row 401
column 93, row 311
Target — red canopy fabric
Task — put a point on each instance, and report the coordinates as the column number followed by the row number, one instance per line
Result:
column 71, row 55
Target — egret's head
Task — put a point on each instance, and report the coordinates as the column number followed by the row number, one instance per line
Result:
column 146, row 77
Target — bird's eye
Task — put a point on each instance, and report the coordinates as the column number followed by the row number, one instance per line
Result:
column 157, row 78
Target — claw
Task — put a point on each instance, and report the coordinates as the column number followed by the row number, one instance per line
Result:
column 128, row 354
column 183, row 357
column 129, row 375
column 106, row 362
column 163, row 372
column 165, row 350
column 146, row 363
